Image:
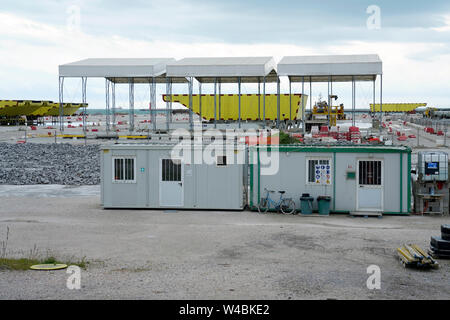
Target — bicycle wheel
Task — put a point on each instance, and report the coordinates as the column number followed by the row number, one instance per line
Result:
column 263, row 206
column 287, row 206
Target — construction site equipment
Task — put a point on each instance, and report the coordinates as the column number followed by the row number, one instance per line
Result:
column 396, row 107
column 433, row 165
column 429, row 112
column 431, row 192
column 413, row 256
column 291, row 106
column 321, row 112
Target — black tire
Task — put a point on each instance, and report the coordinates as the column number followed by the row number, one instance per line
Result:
column 436, row 250
column 439, row 243
column 262, row 206
column 287, row 206
column 445, row 228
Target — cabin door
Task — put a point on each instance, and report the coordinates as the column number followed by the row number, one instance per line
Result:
column 171, row 183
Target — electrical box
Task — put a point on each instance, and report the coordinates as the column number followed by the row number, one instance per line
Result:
column 433, row 165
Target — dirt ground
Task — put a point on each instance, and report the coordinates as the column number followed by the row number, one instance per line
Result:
column 146, row 254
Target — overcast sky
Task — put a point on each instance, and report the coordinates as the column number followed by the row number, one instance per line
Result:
column 36, row 36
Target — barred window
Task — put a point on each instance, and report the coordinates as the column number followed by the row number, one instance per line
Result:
column 171, row 170
column 124, row 169
column 370, row 172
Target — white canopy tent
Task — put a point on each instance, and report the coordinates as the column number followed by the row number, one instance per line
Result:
column 115, row 70
column 333, row 68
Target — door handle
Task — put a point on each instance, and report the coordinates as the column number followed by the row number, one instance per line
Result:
column 180, row 183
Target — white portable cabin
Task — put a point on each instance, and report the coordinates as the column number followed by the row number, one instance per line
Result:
column 150, row 176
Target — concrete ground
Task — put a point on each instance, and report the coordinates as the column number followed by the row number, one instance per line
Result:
column 156, row 254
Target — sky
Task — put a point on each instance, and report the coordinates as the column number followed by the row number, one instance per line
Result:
column 411, row 37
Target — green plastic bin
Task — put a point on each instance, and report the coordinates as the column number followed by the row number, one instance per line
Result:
column 324, row 204
column 306, row 204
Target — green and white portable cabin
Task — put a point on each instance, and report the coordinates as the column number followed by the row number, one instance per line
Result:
column 358, row 178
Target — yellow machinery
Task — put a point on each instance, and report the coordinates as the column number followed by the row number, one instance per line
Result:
column 320, row 111
column 229, row 106
column 429, row 112
column 397, row 107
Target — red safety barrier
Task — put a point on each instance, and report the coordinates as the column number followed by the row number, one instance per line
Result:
column 33, row 128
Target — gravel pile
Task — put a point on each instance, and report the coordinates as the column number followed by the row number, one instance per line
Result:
column 64, row 164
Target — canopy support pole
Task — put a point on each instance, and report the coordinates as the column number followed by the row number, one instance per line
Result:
column 239, row 90
column 259, row 99
column 168, row 103
column 190, row 85
column 373, row 97
column 113, row 102
column 302, row 106
column 353, row 101
column 200, row 101
column 278, row 102
column 84, row 102
column 215, row 103
column 290, row 100
column 381, row 98
column 220, row 94
column 153, row 103
column 106, row 104
column 310, row 95
column 264, row 101
column 131, row 104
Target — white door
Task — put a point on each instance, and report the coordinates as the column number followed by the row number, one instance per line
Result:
column 369, row 195
column 171, row 189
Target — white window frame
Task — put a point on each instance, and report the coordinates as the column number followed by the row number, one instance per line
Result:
column 113, row 169
column 307, row 171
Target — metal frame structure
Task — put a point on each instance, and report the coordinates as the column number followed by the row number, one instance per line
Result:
column 114, row 71
column 239, row 70
column 223, row 70
column 333, row 68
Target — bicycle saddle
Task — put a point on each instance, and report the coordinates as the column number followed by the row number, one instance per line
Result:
column 282, row 192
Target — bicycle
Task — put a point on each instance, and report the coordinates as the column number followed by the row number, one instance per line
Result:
column 285, row 205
